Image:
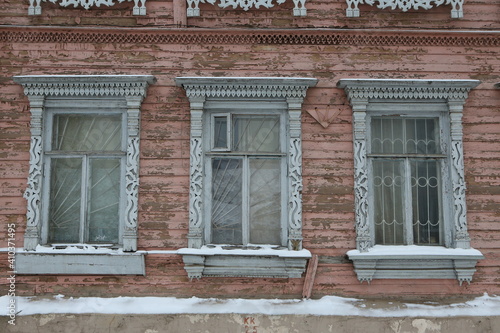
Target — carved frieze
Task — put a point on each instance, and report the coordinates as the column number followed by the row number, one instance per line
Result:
column 35, row 7
column 275, row 37
column 405, row 5
column 194, row 10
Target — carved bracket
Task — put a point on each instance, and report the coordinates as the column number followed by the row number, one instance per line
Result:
column 194, row 10
column 36, row 9
column 405, row 5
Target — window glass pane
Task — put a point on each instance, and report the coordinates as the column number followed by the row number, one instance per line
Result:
column 387, row 135
column 422, row 136
column 404, row 136
column 265, row 201
column 104, row 198
column 256, row 133
column 78, row 132
column 226, row 201
column 65, row 200
column 220, row 132
column 425, row 198
column 388, row 186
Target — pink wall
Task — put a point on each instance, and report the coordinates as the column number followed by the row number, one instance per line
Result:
column 379, row 44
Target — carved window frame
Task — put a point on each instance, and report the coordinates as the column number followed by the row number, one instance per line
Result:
column 201, row 91
column 120, row 91
column 453, row 260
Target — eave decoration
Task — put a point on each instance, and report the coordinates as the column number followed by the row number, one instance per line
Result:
column 36, row 9
column 405, row 5
column 194, row 10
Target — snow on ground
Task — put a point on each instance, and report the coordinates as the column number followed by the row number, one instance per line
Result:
column 329, row 305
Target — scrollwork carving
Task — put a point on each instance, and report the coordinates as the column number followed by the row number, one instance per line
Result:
column 458, row 184
column 361, row 196
column 196, row 184
column 132, row 182
column 194, row 10
column 295, row 175
column 405, row 5
column 36, row 9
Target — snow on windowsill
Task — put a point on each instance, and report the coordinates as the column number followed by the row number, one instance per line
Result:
column 251, row 250
column 408, row 251
column 75, row 249
column 210, row 250
column 485, row 305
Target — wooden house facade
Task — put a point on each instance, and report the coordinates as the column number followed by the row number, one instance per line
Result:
column 250, row 149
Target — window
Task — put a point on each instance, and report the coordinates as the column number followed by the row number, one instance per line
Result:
column 245, row 175
column 406, row 158
column 409, row 179
column 246, row 179
column 84, row 163
column 83, row 182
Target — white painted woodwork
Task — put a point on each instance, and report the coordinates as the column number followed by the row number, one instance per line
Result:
column 68, row 91
column 405, row 5
column 287, row 91
column 439, row 98
column 35, row 7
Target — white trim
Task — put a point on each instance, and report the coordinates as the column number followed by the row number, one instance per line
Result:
column 80, row 264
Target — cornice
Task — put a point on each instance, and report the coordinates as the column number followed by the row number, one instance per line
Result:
column 256, row 87
column 362, row 89
column 278, row 37
column 85, row 85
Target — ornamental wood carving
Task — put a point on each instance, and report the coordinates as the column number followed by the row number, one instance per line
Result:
column 35, row 7
column 360, row 92
column 275, row 37
column 132, row 88
column 293, row 91
column 194, row 10
column 405, row 5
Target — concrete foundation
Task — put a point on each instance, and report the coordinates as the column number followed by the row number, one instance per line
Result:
column 240, row 323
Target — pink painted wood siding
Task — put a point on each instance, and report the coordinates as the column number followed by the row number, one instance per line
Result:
column 379, row 44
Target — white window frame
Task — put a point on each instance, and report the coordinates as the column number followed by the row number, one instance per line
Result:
column 65, row 94
column 443, row 99
column 243, row 108
column 413, row 110
column 205, row 93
